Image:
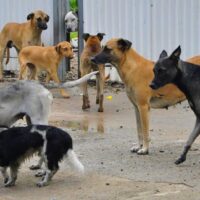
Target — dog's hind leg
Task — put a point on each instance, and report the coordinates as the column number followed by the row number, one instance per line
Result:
column 4, row 174
column 195, row 133
column 135, row 149
column 2, row 53
column 13, row 175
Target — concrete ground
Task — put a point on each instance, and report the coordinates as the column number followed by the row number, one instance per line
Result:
column 103, row 141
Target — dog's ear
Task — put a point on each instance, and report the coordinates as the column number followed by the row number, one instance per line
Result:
column 123, row 44
column 30, row 16
column 100, row 36
column 47, row 18
column 163, row 54
column 58, row 49
column 86, row 36
column 176, row 54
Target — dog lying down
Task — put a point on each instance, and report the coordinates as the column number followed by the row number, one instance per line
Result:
column 19, row 143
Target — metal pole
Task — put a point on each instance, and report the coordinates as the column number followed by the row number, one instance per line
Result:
column 59, row 11
column 80, row 32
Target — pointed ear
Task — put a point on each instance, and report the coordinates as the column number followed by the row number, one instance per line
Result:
column 176, row 53
column 30, row 16
column 86, row 36
column 163, row 54
column 58, row 49
column 124, row 44
column 100, row 36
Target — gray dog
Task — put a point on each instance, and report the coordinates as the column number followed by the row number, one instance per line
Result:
column 24, row 98
column 186, row 76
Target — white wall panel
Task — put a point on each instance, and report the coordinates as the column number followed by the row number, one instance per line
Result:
column 151, row 25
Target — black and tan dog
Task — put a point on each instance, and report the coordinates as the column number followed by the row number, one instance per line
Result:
column 137, row 73
column 22, row 35
column 92, row 48
column 38, row 58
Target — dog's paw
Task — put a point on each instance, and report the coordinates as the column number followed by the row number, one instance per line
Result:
column 34, row 167
column 6, row 180
column 135, row 149
column 100, row 110
column 9, row 183
column 142, row 151
column 40, row 173
column 180, row 160
column 42, row 184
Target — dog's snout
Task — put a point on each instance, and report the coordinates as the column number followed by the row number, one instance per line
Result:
column 69, row 30
column 153, row 86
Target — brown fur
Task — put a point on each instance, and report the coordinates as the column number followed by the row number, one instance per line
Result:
column 137, row 73
column 38, row 58
column 92, row 48
column 21, row 35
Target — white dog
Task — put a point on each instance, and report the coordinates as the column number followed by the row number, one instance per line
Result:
column 71, row 21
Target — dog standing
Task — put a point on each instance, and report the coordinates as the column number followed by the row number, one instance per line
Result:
column 19, row 143
column 22, row 35
column 186, row 76
column 92, row 48
column 38, row 58
column 137, row 73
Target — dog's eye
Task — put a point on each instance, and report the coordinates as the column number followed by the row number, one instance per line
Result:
column 106, row 49
column 73, row 19
column 65, row 49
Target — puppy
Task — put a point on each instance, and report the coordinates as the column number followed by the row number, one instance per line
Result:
column 24, row 34
column 92, row 48
column 19, row 143
column 38, row 58
column 71, row 21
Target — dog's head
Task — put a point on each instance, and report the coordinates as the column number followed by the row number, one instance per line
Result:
column 166, row 68
column 64, row 49
column 112, row 52
column 71, row 21
column 39, row 19
column 93, row 42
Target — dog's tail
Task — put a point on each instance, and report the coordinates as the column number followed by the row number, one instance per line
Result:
column 70, row 84
column 72, row 157
column 8, row 46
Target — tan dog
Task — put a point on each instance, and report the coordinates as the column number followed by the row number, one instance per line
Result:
column 92, row 48
column 38, row 58
column 22, row 35
column 137, row 73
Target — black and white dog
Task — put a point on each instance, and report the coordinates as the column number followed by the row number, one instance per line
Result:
column 19, row 143
column 186, row 76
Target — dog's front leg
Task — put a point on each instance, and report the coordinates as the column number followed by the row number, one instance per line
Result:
column 86, row 102
column 4, row 174
column 100, row 87
column 195, row 133
column 2, row 52
column 135, row 149
column 144, row 117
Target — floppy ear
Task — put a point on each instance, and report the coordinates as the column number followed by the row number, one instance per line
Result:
column 30, row 16
column 58, row 49
column 86, row 36
column 123, row 44
column 176, row 53
column 100, row 36
column 163, row 54
column 47, row 18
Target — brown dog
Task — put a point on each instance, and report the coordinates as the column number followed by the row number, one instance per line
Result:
column 24, row 34
column 92, row 48
column 38, row 58
column 137, row 73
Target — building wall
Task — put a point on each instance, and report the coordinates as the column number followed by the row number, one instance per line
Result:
column 151, row 25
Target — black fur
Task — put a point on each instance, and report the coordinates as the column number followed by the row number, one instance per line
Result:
column 186, row 76
column 16, row 142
